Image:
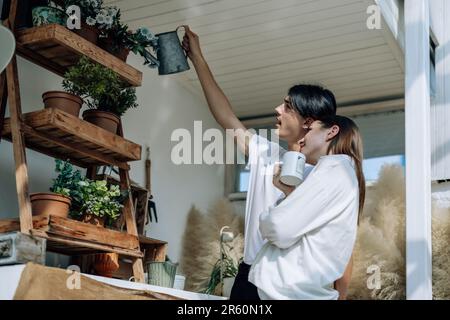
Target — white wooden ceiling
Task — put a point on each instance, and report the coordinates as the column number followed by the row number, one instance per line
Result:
column 257, row 49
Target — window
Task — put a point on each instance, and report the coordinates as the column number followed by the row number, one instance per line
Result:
column 372, row 166
column 241, row 173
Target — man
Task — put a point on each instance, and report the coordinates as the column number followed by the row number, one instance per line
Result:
column 302, row 105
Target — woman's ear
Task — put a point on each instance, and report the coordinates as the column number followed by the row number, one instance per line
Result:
column 332, row 132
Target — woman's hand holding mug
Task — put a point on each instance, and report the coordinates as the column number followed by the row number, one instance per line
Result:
column 287, row 190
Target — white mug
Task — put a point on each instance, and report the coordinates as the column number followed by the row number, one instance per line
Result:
column 292, row 168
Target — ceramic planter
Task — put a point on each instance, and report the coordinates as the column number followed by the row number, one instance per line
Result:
column 105, row 264
column 107, row 45
column 45, row 204
column 106, row 120
column 90, row 33
column 93, row 219
column 64, row 101
column 43, row 15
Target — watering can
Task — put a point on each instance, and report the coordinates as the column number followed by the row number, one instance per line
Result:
column 170, row 56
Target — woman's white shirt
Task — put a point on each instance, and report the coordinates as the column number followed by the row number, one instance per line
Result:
column 310, row 235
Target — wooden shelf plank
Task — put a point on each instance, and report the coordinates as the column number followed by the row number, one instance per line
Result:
column 56, row 48
column 64, row 136
column 72, row 237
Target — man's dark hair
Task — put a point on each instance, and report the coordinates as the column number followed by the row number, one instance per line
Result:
column 312, row 101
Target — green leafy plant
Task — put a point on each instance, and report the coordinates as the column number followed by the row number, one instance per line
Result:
column 88, row 196
column 101, row 199
column 100, row 87
column 66, row 183
column 120, row 36
column 230, row 269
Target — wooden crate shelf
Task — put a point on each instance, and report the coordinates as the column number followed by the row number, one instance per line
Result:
column 56, row 48
column 73, row 237
column 64, row 136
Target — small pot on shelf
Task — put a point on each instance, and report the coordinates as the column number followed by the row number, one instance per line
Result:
column 45, row 204
column 64, row 101
column 105, row 264
column 93, row 219
column 107, row 45
column 90, row 33
column 43, row 15
column 103, row 119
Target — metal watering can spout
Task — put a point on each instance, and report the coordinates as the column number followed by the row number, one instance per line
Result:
column 170, row 56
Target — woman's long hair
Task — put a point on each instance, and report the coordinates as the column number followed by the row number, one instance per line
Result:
column 348, row 141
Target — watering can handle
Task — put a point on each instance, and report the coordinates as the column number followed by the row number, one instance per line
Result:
column 176, row 30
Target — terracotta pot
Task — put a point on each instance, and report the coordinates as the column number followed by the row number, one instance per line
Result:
column 93, row 219
column 88, row 32
column 106, row 44
column 45, row 204
column 106, row 120
column 105, row 264
column 64, row 101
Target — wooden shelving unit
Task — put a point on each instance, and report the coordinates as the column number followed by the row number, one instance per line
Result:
column 61, row 135
column 69, row 236
column 56, row 48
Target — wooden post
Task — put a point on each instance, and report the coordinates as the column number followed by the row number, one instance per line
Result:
column 418, row 154
column 15, row 110
column 130, row 219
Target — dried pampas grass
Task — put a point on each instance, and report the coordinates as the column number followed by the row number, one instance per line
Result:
column 379, row 252
column 380, row 247
column 201, row 245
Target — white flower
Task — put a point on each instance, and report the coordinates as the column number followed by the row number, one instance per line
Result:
column 94, row 3
column 108, row 20
column 103, row 12
column 144, row 31
column 112, row 11
column 90, row 21
column 100, row 19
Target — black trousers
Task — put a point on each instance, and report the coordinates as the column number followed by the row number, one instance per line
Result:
column 242, row 288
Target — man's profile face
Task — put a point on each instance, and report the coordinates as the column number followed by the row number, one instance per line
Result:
column 290, row 126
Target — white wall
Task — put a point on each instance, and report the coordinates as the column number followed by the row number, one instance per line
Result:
column 164, row 105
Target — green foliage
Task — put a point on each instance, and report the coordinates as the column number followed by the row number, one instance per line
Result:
column 89, row 9
column 66, row 183
column 100, row 87
column 230, row 269
column 138, row 42
column 88, row 196
column 100, row 200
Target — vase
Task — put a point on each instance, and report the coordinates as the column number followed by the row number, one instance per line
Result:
column 46, row 204
column 227, row 286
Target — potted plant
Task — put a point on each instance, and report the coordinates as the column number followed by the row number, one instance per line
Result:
column 118, row 40
column 105, row 94
column 69, row 100
column 93, row 16
column 229, row 273
column 105, row 264
column 48, row 14
column 100, row 202
column 59, row 200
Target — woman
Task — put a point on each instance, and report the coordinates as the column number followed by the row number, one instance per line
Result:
column 311, row 233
